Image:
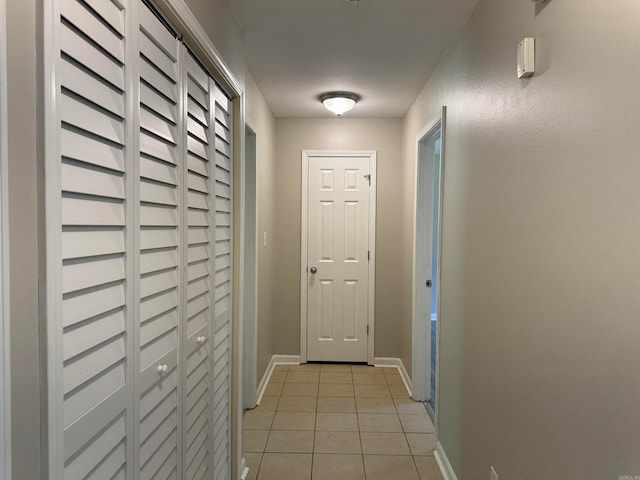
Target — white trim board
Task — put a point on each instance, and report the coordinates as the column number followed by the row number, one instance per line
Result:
column 275, row 360
column 397, row 363
column 5, row 358
column 373, row 158
column 249, row 266
column 443, row 463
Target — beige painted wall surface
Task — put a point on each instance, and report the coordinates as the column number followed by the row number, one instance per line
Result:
column 541, row 242
column 295, row 135
column 23, row 231
column 220, row 24
column 260, row 118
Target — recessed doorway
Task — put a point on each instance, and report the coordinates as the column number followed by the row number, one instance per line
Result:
column 426, row 264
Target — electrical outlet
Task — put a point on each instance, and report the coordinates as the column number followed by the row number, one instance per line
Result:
column 494, row 475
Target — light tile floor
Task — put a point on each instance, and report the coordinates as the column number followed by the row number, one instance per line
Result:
column 338, row 422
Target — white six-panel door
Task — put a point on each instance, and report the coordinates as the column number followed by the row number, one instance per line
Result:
column 338, row 258
column 139, row 248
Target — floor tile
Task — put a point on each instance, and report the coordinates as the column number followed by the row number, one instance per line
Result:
column 428, row 468
column 379, row 422
column 369, row 379
column 290, row 442
column 278, row 377
column 394, row 380
column 372, row 391
column 408, row 406
column 338, row 467
column 375, row 405
column 335, row 390
column 257, row 420
column 305, row 367
column 337, row 442
column 336, row 405
column 274, row 388
column 253, row 462
column 421, row 443
column 389, row 467
column 417, row 423
column 336, row 368
column 285, row 466
column 366, row 369
column 303, row 377
column 300, row 389
column 297, row 404
column 294, row 421
column 254, row 441
column 384, row 443
column 281, row 368
column 268, row 403
column 336, row 377
column 336, row 422
column 399, row 391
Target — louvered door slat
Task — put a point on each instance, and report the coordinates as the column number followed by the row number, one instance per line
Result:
column 77, row 48
column 84, row 83
column 109, row 12
column 159, row 214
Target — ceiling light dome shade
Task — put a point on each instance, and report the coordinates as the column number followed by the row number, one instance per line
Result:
column 339, row 102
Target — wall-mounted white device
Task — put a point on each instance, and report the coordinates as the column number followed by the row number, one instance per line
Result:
column 526, row 57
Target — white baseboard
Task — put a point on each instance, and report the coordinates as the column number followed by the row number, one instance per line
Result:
column 286, row 359
column 443, row 463
column 395, row 362
column 275, row 360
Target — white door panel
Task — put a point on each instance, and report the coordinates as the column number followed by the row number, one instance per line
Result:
column 338, row 244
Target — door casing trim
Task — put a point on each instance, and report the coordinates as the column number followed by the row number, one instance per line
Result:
column 421, row 353
column 373, row 157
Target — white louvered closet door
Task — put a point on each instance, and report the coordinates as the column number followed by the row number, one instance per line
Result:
column 139, row 250
column 88, row 257
column 223, row 287
column 198, row 436
column 160, row 181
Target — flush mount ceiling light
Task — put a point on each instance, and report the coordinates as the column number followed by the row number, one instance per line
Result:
column 339, row 102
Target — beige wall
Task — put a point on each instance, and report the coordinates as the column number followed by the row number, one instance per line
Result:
column 540, row 314
column 295, row 135
column 23, row 91
column 220, row 24
column 261, row 120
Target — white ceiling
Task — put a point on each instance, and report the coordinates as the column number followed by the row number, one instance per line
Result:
column 383, row 50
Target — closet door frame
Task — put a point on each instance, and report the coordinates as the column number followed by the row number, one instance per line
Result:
column 5, row 358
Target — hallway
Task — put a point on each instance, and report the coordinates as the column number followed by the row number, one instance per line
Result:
column 338, row 422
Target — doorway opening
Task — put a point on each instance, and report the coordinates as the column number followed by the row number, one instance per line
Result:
column 249, row 270
column 426, row 263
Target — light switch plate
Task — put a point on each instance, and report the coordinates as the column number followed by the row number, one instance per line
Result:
column 526, row 57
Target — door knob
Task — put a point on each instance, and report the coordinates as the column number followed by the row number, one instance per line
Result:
column 163, row 369
column 313, row 269
column 201, row 340
column 429, row 284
